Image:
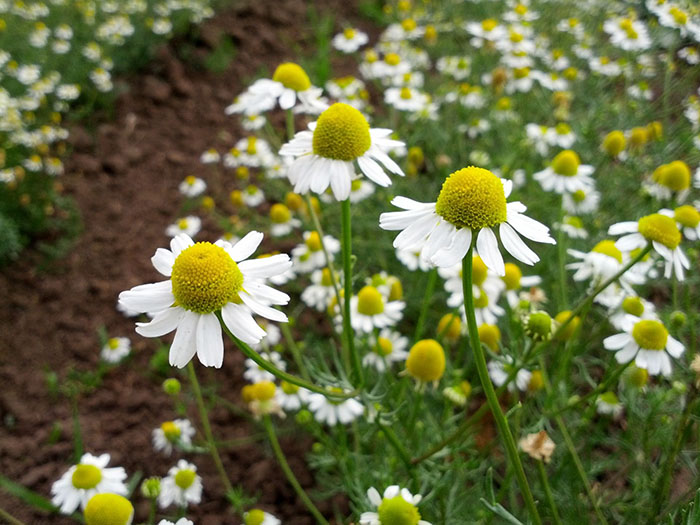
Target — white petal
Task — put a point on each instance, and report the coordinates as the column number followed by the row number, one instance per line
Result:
column 373, row 171
column 210, row 345
column 152, row 297
column 454, row 253
column 674, row 347
column 180, row 242
column 617, row 341
column 163, row 323
column 623, row 227
column 288, row 99
column 238, row 319
column 515, row 245
column 341, row 180
column 487, row 246
column 163, row 261
column 246, row 246
column 266, row 267
column 184, row 345
column 263, row 310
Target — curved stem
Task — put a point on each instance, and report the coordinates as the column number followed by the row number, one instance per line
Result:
column 494, row 405
column 294, row 349
column 207, row 428
column 430, row 286
column 279, row 454
column 347, row 277
column 548, row 493
column 281, row 374
column 9, row 518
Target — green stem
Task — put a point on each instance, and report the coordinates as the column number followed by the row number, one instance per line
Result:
column 281, row 374
column 290, row 124
column 204, row 416
column 561, row 252
column 152, row 512
column 548, row 493
column 78, row 448
column 9, row 518
column 494, row 405
column 294, row 349
column 347, row 276
column 279, row 454
column 430, row 286
column 394, row 441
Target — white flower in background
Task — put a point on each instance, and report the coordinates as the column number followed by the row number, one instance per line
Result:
column 458, row 67
column 691, row 55
column 566, row 174
column 561, row 136
column 471, row 202
column 190, row 226
column 211, row 156
column 182, row 486
column 687, row 218
column 320, row 293
column 396, row 507
column 387, row 348
column 605, row 66
column 631, row 305
column 181, row 521
column 608, row 404
column 514, row 281
column 350, row 40
column 332, row 412
column 573, row 227
column 627, row 34
column 206, row 279
column 360, row 189
column 308, row 256
column 253, row 122
column 411, row 259
column 255, row 373
column 648, row 342
column 169, row 433
column 291, row 397
column 252, row 196
column 192, row 186
column 82, row 481
column 484, row 281
column 259, row 517
column 326, row 154
column 273, row 337
column 581, row 202
column 659, row 230
column 406, row 99
column 282, row 221
column 538, row 136
column 369, row 310
column 499, row 370
column 116, row 349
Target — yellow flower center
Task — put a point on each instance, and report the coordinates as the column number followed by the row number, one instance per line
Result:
column 566, row 163
column 313, row 241
column 356, row 185
column 650, row 334
column 184, row 478
column 408, row 24
column 171, row 430
column 520, row 9
column 426, row 360
column 503, row 104
column 242, row 172
column 638, row 136
column 539, row 326
column 479, row 271
column 489, row 24
column 679, row 16
column 190, row 180
column 570, row 328
column 289, row 388
column 279, row 213
column 574, row 222
column 482, row 301
column 349, row 33
column 397, row 511
column 255, row 516
column 687, row 215
column 450, row 327
column 676, row 176
column 86, row 476
column 406, row 93
column 562, row 128
column 516, row 37
column 392, row 59
column 113, row 343
column 395, row 290
column 341, row 133
column 472, row 198
column 292, row 76
column 633, row 305
column 608, row 248
column 370, row 301
column 609, row 398
column 205, row 278
column 182, row 224
column 326, row 279
column 490, row 335
column 263, row 390
column 521, row 72
column 638, row 377
column 578, row 196
column 384, row 346
column 512, row 276
column 108, row 509
column 659, row 228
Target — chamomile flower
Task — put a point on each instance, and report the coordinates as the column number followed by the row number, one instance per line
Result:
column 370, row 310
column 182, row 486
column 360, row 189
column 573, row 227
column 253, row 196
column 309, row 255
column 206, row 279
column 581, row 201
column 608, row 404
column 181, row 521
column 687, row 218
column 538, row 136
column 659, row 230
column 192, row 186
column 565, row 174
column 691, row 55
column 211, row 156
column 282, row 220
column 387, row 348
column 291, row 397
column 331, row 411
column 561, row 136
column 259, row 517
column 500, row 369
column 350, row 40
column 471, row 203
column 82, row 481
column 627, row 34
column 108, row 509
column 116, row 349
column 631, row 305
column 326, row 154
column 458, row 67
column 648, row 342
column 255, row 373
column 190, row 226
column 514, row 281
column 426, row 362
column 396, row 506
column 411, row 259
column 484, row 281
column 320, row 293
column 169, row 433
column 671, row 179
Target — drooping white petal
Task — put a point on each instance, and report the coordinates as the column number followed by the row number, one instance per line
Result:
column 265, row 293
column 239, row 320
column 487, row 245
column 287, row 99
column 617, row 341
column 263, row 310
column 515, row 245
column 674, row 347
column 184, row 345
column 373, row 171
column 180, row 242
column 623, row 227
column 210, row 345
column 163, row 323
column 454, row 253
column 341, row 181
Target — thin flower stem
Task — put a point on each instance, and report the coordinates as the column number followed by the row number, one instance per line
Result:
column 494, row 405
column 207, row 428
column 561, row 256
column 290, row 124
column 429, row 288
column 294, row 349
column 548, row 493
column 152, row 512
column 347, row 277
column 394, row 441
column 282, row 460
column 281, row 374
column 9, row 518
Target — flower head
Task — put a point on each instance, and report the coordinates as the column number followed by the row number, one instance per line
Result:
column 181, row 486
column 108, row 509
column 538, row 446
column 396, row 507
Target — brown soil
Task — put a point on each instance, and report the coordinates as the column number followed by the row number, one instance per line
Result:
column 124, row 177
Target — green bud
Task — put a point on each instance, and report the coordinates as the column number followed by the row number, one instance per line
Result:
column 150, row 487
column 678, row 319
column 303, row 417
column 171, row 386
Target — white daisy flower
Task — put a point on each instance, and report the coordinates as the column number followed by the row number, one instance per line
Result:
column 458, row 67
column 631, row 305
column 396, row 506
column 181, row 521
column 648, row 342
column 206, row 279
column 472, row 202
column 320, row 293
column 333, row 412
column 192, row 186
column 659, row 230
column 566, row 174
column 369, row 310
column 360, row 189
column 211, row 156
column 309, row 256
column 627, row 34
column 389, row 347
column 561, row 136
column 169, row 433
column 327, row 152
column 538, row 136
column 282, row 220
column 514, row 281
column 253, row 196
column 181, row 486
column 411, row 259
column 500, row 369
column 687, row 218
column 253, row 122
column 256, row 374
column 291, row 397
column 116, row 349
column 484, row 281
column 608, row 404
column 190, row 226
column 406, row 99
column 573, row 227
column 82, row 481
column 350, row 40
column 581, row 201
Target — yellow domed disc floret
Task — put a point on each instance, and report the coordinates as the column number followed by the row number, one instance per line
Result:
column 608, row 248
column 289, row 388
column 650, row 334
column 279, row 214
column 184, row 478
column 254, row 517
column 659, row 228
column 313, row 242
column 370, row 301
column 108, row 509
column 170, row 430
column 633, row 305
column 326, row 278
column 263, row 390
column 342, row 133
column 472, row 198
column 676, row 176
column 566, row 163
column 384, row 346
column 449, row 327
column 398, row 511
column 512, row 277
column 687, row 216
column 426, row 360
column 490, row 335
column 292, row 76
column 86, row 476
column 205, row 278
column 561, row 318
column 479, row 271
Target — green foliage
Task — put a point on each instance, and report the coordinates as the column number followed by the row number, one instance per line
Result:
column 220, row 58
